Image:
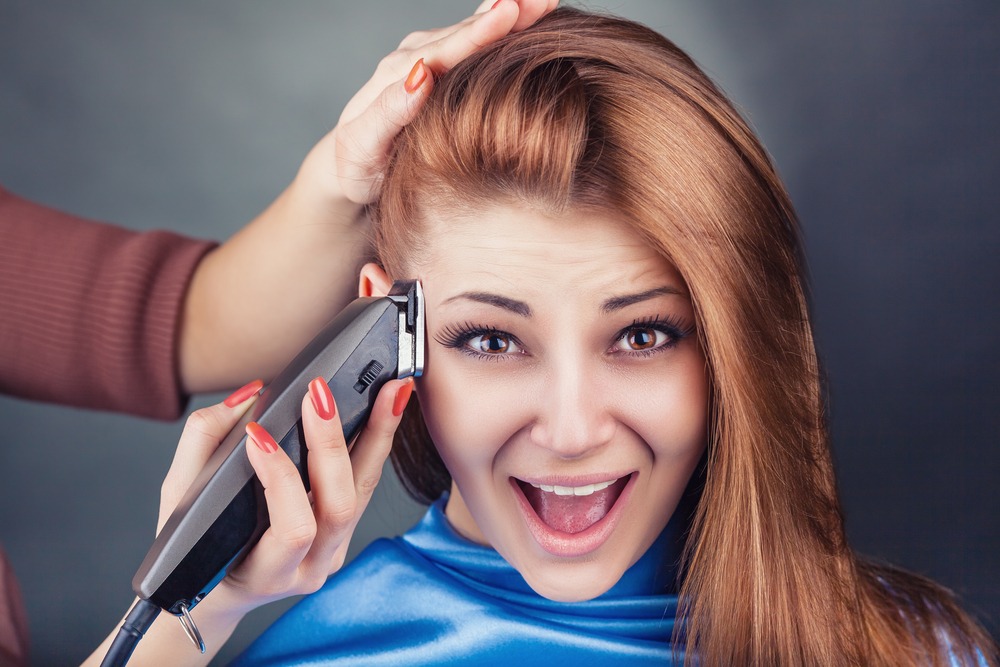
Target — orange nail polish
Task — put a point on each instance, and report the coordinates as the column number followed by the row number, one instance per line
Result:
column 260, row 437
column 416, row 77
column 243, row 393
column 322, row 399
column 402, row 398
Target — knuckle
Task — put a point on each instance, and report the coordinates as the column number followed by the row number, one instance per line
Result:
column 366, row 485
column 340, row 516
column 414, row 38
column 299, row 536
column 287, row 476
column 385, row 431
column 392, row 61
column 201, row 422
column 338, row 560
column 312, row 583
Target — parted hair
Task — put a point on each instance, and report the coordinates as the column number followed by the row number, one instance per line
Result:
column 590, row 112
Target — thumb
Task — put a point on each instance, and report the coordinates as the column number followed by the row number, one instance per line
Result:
column 203, row 431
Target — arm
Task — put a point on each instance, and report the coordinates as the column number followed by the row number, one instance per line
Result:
column 90, row 310
column 297, row 261
column 307, row 542
column 103, row 317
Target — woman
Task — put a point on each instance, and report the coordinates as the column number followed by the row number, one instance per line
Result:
column 622, row 403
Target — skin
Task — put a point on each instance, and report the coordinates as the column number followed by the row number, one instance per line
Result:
column 314, row 218
column 300, row 255
column 559, row 390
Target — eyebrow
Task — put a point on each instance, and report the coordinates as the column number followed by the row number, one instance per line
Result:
column 617, row 303
column 524, row 310
column 513, row 305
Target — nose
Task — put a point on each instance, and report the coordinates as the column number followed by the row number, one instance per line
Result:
column 572, row 409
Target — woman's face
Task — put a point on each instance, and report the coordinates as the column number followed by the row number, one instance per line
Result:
column 565, row 390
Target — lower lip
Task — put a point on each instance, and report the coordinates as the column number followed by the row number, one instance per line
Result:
column 572, row 545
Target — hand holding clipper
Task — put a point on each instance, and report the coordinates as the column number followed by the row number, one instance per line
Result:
column 224, row 513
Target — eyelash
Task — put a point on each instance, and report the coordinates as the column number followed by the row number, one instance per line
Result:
column 458, row 337
column 673, row 327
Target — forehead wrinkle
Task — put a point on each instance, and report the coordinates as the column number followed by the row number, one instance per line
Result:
column 523, row 255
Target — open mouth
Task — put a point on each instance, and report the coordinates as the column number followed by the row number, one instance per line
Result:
column 572, row 509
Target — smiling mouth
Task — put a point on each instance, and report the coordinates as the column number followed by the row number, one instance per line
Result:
column 572, row 509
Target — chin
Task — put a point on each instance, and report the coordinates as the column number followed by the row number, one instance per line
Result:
column 563, row 583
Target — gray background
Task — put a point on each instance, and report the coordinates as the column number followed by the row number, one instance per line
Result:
column 194, row 115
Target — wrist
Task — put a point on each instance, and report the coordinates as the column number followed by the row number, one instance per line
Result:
column 317, row 181
column 319, row 199
column 224, row 608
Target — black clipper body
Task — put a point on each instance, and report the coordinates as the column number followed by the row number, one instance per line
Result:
column 223, row 514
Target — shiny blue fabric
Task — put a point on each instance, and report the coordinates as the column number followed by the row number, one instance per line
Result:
column 432, row 597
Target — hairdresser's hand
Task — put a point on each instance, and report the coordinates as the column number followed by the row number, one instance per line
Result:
column 308, row 537
column 355, row 152
column 298, row 259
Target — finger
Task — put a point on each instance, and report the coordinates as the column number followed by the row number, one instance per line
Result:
column 444, row 47
column 529, row 11
column 293, row 527
column 419, row 38
column 366, row 130
column 375, row 441
column 330, row 475
column 484, row 6
column 487, row 28
column 203, row 431
column 362, row 144
column 367, row 458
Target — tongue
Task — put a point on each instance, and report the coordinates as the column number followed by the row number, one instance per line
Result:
column 572, row 514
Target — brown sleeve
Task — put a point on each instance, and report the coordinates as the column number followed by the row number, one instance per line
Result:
column 13, row 618
column 89, row 312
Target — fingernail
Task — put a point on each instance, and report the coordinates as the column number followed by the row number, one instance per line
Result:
column 495, row 4
column 322, row 399
column 402, row 398
column 243, row 393
column 416, row 77
column 260, row 437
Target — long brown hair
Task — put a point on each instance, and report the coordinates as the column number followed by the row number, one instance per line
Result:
column 587, row 111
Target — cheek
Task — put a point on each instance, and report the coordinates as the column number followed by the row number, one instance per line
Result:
column 468, row 415
column 669, row 411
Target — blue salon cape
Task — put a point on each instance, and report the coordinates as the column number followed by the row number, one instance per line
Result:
column 432, row 597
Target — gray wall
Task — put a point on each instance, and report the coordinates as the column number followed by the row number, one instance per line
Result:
column 193, row 116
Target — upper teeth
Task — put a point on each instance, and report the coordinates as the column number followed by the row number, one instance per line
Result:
column 584, row 490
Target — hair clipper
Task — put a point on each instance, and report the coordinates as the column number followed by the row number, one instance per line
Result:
column 223, row 513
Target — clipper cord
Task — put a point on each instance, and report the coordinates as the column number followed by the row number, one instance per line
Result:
column 136, row 623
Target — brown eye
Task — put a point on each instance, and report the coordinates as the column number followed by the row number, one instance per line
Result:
column 641, row 339
column 491, row 343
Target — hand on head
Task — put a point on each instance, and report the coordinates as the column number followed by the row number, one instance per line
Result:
column 355, row 152
column 298, row 258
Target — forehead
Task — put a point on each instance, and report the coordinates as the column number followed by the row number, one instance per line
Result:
column 507, row 247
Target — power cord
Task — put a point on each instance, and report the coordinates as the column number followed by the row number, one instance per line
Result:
column 136, row 623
